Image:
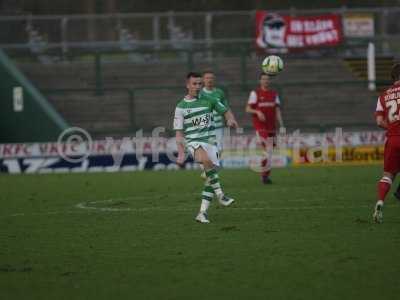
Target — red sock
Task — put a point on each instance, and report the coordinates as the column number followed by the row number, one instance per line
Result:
column 383, row 187
column 265, row 172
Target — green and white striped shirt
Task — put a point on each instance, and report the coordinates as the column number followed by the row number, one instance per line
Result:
column 219, row 96
column 195, row 118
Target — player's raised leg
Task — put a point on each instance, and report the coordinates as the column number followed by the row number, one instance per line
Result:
column 213, row 179
column 212, row 183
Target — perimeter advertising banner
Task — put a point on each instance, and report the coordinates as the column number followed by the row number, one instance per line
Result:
column 279, row 33
column 138, row 154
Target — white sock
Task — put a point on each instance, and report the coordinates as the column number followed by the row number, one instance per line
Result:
column 204, row 206
column 219, row 193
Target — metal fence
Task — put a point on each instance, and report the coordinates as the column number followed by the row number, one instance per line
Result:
column 177, row 30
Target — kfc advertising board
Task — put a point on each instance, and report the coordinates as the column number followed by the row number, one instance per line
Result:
column 281, row 32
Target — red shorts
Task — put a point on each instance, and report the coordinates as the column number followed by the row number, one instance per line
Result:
column 266, row 138
column 392, row 155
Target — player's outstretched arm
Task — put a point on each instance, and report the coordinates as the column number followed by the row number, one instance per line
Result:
column 180, row 143
column 230, row 119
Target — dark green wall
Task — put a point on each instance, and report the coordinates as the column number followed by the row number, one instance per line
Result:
column 38, row 122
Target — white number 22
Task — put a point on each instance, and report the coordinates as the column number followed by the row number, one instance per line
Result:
column 393, row 113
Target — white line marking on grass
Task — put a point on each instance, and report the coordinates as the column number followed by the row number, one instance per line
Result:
column 85, row 209
column 17, row 215
column 45, row 213
column 88, row 206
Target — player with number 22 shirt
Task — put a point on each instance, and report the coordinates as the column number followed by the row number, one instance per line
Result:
column 388, row 117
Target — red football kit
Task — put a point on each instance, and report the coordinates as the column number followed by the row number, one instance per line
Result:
column 267, row 102
column 388, row 106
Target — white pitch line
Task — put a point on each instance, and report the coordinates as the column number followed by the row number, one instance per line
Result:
column 86, row 209
column 45, row 213
column 87, row 206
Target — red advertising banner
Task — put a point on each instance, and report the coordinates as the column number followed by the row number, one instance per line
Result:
column 282, row 32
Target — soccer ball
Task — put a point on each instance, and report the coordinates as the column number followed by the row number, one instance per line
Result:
column 272, row 65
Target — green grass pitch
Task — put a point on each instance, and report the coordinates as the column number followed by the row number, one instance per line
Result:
column 309, row 235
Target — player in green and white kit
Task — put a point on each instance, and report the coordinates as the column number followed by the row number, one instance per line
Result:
column 195, row 129
column 211, row 91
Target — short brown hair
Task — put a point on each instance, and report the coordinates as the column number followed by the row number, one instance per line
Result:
column 193, row 74
column 395, row 72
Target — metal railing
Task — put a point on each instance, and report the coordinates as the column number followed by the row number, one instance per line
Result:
column 176, row 30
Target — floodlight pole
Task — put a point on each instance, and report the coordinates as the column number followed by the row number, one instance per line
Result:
column 371, row 67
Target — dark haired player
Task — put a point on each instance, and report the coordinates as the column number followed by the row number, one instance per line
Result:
column 195, row 130
column 264, row 106
column 388, row 117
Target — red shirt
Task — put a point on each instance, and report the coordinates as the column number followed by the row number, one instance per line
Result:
column 265, row 101
column 388, row 106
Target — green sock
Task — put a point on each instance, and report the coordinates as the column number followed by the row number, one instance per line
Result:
column 213, row 181
column 208, row 192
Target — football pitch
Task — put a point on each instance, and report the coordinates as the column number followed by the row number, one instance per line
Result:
column 309, row 235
